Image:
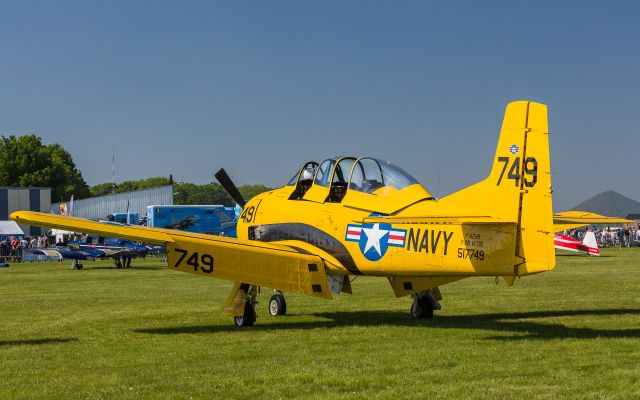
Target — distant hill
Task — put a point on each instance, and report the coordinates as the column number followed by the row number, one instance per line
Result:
column 609, row 203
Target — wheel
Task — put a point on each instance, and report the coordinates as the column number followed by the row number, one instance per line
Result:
column 428, row 307
column 422, row 308
column 248, row 318
column 417, row 311
column 277, row 305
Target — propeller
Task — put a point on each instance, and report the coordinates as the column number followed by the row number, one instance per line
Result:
column 230, row 187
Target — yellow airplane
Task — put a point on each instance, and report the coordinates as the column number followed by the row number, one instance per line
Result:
column 362, row 216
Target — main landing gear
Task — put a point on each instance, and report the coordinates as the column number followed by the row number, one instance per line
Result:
column 423, row 306
column 277, row 304
column 248, row 317
column 76, row 264
column 424, row 303
column 123, row 262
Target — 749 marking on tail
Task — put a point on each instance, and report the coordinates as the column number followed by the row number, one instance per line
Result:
column 530, row 168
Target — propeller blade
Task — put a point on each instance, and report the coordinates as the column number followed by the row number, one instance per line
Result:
column 230, row 187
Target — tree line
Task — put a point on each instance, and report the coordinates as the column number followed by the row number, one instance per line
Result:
column 183, row 192
column 25, row 161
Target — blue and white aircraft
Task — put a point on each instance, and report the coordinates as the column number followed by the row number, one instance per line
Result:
column 97, row 247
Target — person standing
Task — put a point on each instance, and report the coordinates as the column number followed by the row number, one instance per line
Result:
column 3, row 249
column 626, row 237
column 621, row 236
column 14, row 247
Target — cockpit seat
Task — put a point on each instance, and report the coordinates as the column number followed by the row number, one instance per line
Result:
column 337, row 192
column 301, row 189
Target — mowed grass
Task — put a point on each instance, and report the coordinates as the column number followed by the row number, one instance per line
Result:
column 148, row 332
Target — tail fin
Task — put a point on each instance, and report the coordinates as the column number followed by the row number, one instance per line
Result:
column 590, row 239
column 518, row 188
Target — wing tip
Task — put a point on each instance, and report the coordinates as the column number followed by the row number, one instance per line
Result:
column 17, row 215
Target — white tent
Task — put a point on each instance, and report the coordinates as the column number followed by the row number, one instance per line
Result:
column 10, row 228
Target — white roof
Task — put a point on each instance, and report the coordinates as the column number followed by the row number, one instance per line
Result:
column 10, row 228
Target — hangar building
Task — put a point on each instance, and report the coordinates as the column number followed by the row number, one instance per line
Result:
column 100, row 207
column 31, row 198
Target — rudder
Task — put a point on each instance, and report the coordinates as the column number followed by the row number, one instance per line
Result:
column 534, row 247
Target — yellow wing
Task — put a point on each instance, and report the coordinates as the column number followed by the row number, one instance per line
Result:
column 576, row 219
column 251, row 262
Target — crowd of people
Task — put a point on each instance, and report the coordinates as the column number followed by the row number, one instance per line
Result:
column 12, row 247
column 610, row 237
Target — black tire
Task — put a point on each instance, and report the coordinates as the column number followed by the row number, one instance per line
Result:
column 422, row 308
column 428, row 307
column 277, row 305
column 417, row 311
column 248, row 318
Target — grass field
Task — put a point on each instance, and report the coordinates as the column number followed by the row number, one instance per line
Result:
column 148, row 332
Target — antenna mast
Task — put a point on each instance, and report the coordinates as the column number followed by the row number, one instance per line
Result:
column 438, row 184
column 113, row 170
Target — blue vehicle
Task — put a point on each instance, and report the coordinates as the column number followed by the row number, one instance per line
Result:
column 209, row 219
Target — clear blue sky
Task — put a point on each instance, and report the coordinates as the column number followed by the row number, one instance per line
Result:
column 186, row 87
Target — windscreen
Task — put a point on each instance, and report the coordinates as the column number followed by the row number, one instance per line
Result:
column 370, row 174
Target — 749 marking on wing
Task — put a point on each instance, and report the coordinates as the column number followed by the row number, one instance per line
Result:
column 199, row 261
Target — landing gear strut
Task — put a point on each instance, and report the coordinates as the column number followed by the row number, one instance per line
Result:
column 277, row 304
column 248, row 318
column 76, row 264
column 123, row 262
column 423, row 305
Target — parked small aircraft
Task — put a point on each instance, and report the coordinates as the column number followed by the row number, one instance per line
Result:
column 589, row 244
column 566, row 220
column 363, row 216
column 97, row 247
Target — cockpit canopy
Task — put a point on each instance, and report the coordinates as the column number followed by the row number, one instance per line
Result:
column 363, row 174
column 340, row 174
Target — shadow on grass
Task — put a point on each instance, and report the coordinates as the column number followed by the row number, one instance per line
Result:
column 511, row 324
column 6, row 343
column 586, row 256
